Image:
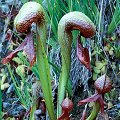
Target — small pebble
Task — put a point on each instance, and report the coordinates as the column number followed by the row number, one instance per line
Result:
column 6, row 106
column 17, row 110
column 118, row 106
column 5, row 8
column 38, row 112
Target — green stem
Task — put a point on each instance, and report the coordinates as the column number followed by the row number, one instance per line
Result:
column 95, row 111
column 71, row 21
column 64, row 75
column 16, row 87
column 32, row 117
column 44, row 71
